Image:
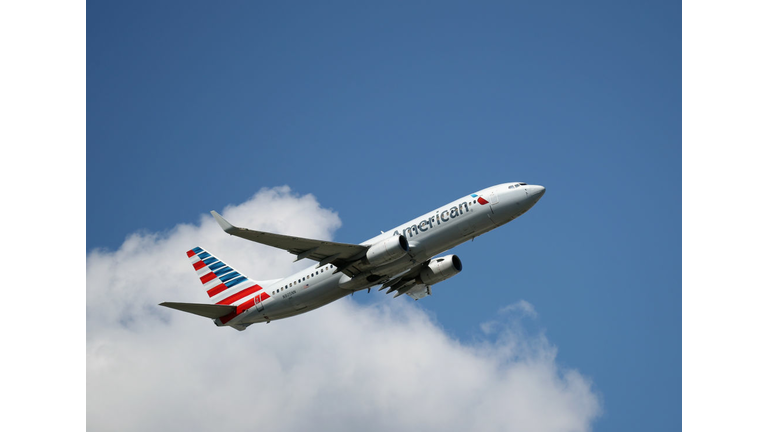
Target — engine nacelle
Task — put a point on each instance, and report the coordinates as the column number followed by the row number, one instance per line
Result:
column 440, row 269
column 387, row 250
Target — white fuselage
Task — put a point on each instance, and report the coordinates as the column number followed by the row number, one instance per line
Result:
column 428, row 235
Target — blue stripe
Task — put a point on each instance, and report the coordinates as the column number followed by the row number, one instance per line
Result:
column 222, row 271
column 217, row 265
column 229, row 276
column 232, row 283
column 210, row 260
column 204, row 255
column 197, row 250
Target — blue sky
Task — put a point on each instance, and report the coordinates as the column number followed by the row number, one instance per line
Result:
column 384, row 112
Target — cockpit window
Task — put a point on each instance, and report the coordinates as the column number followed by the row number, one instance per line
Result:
column 523, row 184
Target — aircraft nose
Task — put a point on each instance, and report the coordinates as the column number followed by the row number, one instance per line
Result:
column 536, row 192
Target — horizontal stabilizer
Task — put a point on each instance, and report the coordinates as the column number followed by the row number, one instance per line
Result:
column 212, row 311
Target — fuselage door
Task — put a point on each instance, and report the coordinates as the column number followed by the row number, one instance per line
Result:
column 493, row 198
column 259, row 304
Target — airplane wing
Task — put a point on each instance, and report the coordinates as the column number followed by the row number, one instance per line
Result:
column 341, row 255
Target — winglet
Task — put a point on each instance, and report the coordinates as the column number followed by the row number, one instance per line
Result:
column 226, row 226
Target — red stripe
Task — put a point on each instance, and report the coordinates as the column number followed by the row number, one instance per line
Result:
column 482, row 201
column 243, row 307
column 235, row 297
column 190, row 253
column 240, row 309
column 216, row 290
column 228, row 317
column 208, row 277
column 198, row 265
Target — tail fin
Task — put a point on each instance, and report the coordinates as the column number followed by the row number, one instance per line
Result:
column 225, row 285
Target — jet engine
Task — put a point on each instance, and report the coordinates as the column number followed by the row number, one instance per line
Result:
column 440, row 269
column 387, row 250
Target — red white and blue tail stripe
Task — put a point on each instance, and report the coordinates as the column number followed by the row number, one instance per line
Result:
column 225, row 285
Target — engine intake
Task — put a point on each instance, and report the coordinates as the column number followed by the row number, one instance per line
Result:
column 387, row 250
column 440, row 269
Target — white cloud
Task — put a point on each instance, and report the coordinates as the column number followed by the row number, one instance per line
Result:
column 522, row 307
column 509, row 318
column 388, row 366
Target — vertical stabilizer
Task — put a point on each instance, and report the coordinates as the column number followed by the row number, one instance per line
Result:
column 224, row 285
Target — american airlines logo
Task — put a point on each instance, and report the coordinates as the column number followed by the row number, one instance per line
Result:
column 480, row 200
column 439, row 217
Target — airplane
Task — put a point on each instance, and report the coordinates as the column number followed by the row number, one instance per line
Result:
column 402, row 260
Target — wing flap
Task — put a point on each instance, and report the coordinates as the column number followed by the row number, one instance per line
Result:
column 212, row 311
column 419, row 292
